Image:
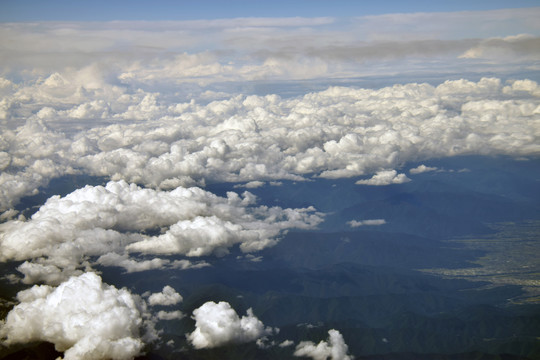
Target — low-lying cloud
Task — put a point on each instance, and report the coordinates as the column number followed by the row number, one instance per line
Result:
column 422, row 169
column 167, row 297
column 108, row 222
column 334, row 348
column 83, row 317
column 218, row 324
column 370, row 222
column 385, row 177
column 340, row 132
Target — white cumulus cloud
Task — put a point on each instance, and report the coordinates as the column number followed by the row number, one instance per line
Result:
column 167, row 297
column 152, row 139
column 334, row 348
column 170, row 315
column 109, row 222
column 286, row 343
column 385, row 177
column 132, row 265
column 217, row 324
column 83, row 317
column 422, row 169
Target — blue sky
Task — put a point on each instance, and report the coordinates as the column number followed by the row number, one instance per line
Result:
column 103, row 10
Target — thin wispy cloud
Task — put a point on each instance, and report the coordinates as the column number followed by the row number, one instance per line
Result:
column 249, row 48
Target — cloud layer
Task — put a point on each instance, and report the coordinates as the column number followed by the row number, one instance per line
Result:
column 339, row 132
column 223, row 50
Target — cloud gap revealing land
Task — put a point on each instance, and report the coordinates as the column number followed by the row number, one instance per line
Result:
column 271, row 188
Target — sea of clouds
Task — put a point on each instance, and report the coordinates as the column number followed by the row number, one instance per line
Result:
column 146, row 106
column 338, row 132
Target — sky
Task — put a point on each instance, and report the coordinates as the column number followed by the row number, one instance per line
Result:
column 164, row 98
column 55, row 10
column 212, row 51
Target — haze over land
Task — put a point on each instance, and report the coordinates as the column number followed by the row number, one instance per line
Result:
column 271, row 187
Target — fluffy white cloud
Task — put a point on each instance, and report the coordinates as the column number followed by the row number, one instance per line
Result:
column 31, row 156
column 217, row 324
column 422, row 169
column 43, row 271
column 370, row 222
column 339, row 132
column 106, row 221
column 334, row 348
column 83, row 317
column 385, row 177
column 133, row 265
column 251, row 185
column 170, row 315
column 165, row 298
column 286, row 343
